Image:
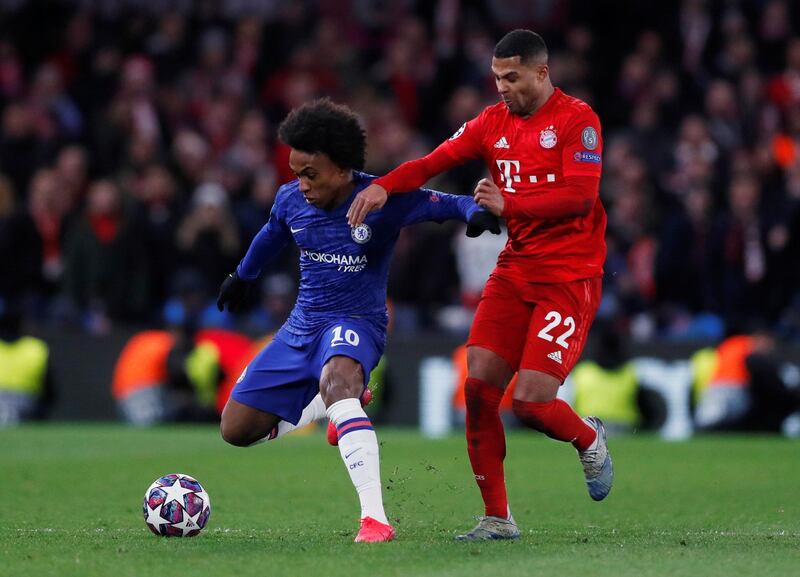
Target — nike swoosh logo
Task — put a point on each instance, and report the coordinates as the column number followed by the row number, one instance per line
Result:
column 353, row 452
column 294, row 230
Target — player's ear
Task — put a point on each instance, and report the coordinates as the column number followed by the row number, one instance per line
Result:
column 542, row 70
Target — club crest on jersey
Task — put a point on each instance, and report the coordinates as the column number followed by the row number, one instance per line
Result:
column 589, row 138
column 458, row 132
column 548, row 138
column 361, row 233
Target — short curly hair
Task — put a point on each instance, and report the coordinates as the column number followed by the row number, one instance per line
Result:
column 323, row 126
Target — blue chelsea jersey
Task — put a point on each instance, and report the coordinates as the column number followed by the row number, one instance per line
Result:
column 343, row 270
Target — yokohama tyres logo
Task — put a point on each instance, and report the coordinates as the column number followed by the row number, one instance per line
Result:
column 345, row 262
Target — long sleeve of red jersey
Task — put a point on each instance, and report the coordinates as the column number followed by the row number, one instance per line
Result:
column 574, row 198
column 464, row 145
column 413, row 174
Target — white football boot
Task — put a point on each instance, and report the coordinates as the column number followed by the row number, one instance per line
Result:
column 597, row 466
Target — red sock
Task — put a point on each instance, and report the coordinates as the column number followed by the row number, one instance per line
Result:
column 557, row 420
column 486, row 444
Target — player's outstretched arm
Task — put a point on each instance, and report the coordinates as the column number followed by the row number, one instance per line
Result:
column 409, row 176
column 430, row 205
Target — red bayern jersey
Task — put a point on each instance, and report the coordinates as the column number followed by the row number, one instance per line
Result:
column 541, row 164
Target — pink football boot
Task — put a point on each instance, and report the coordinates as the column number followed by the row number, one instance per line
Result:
column 373, row 531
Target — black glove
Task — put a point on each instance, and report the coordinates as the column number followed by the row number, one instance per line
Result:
column 483, row 220
column 233, row 292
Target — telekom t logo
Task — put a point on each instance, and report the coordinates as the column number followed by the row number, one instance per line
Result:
column 505, row 167
column 509, row 172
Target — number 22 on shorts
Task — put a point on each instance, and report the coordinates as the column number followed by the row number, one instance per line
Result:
column 555, row 319
column 350, row 337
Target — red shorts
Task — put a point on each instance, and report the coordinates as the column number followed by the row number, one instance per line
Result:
column 541, row 327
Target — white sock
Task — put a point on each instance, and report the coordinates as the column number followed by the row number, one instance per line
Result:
column 314, row 411
column 358, row 446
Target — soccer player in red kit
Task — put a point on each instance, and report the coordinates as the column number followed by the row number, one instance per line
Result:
column 544, row 151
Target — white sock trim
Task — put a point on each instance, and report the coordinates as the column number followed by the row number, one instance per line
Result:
column 341, row 410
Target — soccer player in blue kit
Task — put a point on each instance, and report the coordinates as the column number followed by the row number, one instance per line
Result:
column 320, row 359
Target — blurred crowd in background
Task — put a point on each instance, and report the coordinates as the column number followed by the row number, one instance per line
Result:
column 138, row 151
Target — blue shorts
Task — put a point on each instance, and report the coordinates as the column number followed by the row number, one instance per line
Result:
column 284, row 377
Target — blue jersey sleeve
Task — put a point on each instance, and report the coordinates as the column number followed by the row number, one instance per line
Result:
column 266, row 245
column 423, row 204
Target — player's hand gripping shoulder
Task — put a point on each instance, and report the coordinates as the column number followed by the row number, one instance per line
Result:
column 371, row 198
column 232, row 292
column 489, row 197
column 480, row 221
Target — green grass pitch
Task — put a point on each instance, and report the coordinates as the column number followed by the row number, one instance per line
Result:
column 70, row 504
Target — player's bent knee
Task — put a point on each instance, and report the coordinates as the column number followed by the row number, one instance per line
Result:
column 536, row 387
column 488, row 366
column 342, row 378
column 241, row 426
column 236, row 435
column 337, row 389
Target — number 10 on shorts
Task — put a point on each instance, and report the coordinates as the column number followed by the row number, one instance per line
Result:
column 350, row 337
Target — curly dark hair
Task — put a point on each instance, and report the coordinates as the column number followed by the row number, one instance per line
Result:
column 526, row 44
column 326, row 127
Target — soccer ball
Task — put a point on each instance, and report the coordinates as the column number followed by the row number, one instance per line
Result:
column 176, row 505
